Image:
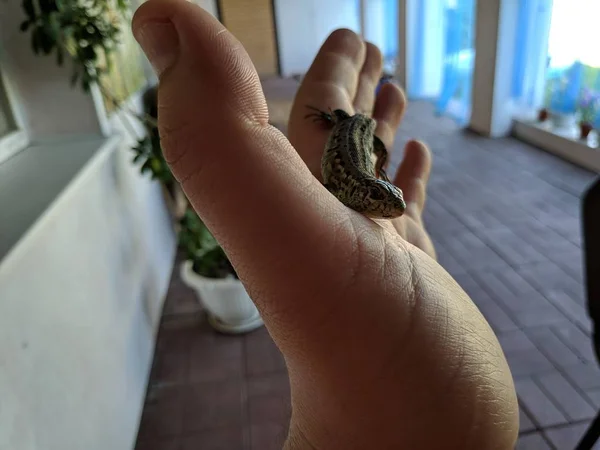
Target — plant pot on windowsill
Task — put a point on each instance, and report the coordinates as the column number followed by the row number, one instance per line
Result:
column 228, row 305
column 585, row 128
column 562, row 120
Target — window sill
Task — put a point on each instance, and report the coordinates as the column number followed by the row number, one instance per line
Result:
column 53, row 166
column 12, row 143
column 562, row 142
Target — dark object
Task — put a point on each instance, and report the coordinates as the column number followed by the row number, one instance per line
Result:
column 591, row 252
column 150, row 101
column 386, row 78
column 208, row 258
column 148, row 151
column 584, row 129
column 543, row 115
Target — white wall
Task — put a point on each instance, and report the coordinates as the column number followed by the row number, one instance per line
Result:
column 47, row 103
column 303, row 27
column 492, row 105
column 503, row 108
column 430, row 46
column 406, row 29
column 208, row 5
column 81, row 296
column 434, row 47
column 374, row 22
column 484, row 70
column 81, row 292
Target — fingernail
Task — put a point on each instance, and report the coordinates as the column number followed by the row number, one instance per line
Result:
column 160, row 43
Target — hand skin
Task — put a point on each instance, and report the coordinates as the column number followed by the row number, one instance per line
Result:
column 384, row 349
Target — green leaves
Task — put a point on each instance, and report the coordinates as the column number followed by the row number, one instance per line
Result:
column 208, row 258
column 84, row 29
column 36, row 44
column 149, row 153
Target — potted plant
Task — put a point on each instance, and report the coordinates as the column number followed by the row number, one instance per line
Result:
column 208, row 271
column 562, row 108
column 588, row 107
column 544, row 112
column 88, row 33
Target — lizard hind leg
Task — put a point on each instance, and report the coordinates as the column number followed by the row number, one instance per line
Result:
column 382, row 154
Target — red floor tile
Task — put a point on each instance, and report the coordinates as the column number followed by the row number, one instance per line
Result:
column 215, row 357
column 158, row 444
column 262, row 355
column 567, row 437
column 213, row 405
column 267, row 436
column 533, row 441
column 231, row 438
column 163, row 413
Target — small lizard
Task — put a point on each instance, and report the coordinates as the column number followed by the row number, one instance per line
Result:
column 352, row 165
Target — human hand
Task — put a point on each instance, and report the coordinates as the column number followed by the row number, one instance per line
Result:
column 383, row 348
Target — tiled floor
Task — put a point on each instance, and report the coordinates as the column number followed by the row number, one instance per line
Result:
column 505, row 219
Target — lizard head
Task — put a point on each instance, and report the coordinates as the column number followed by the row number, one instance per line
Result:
column 383, row 200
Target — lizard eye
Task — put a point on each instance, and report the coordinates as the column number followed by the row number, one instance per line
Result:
column 376, row 194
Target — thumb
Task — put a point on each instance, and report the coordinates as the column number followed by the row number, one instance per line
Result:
column 275, row 221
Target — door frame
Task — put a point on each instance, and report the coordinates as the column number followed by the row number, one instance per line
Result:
column 275, row 31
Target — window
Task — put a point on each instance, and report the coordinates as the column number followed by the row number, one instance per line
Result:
column 557, row 67
column 7, row 122
column 13, row 137
column 441, row 54
column 573, row 74
column 127, row 74
column 380, row 27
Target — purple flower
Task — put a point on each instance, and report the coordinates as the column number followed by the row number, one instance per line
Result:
column 589, row 104
column 586, row 97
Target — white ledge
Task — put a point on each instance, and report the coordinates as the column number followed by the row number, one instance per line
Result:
column 563, row 143
column 36, row 177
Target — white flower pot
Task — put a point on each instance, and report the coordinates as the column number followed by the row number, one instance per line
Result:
column 228, row 305
column 562, row 121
